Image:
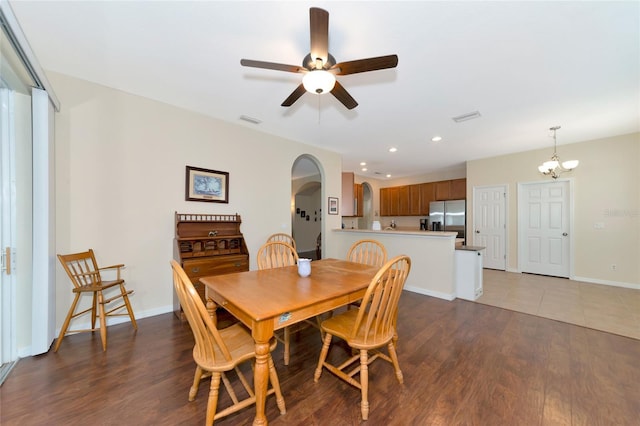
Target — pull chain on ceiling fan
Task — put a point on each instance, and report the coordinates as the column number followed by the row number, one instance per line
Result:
column 319, row 66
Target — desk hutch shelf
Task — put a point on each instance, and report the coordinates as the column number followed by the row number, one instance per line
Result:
column 208, row 244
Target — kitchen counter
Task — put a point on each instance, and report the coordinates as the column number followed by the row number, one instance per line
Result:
column 470, row 248
column 403, row 231
column 432, row 256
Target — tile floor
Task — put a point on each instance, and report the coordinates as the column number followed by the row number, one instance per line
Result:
column 601, row 307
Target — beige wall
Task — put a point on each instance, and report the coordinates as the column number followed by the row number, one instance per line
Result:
column 120, row 163
column 606, row 190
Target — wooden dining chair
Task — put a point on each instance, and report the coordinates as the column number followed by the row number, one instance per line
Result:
column 219, row 351
column 276, row 254
column 284, row 238
column 369, row 252
column 85, row 276
column 369, row 328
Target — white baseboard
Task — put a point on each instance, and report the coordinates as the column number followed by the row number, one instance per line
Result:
column 607, row 282
column 426, row 292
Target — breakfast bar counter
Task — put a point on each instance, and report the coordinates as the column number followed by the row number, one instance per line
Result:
column 432, row 256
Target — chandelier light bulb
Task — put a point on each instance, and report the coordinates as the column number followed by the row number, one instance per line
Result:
column 554, row 167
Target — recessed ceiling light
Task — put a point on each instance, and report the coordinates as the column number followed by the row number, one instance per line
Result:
column 363, row 164
column 393, row 149
column 436, row 138
column 388, row 175
column 364, row 169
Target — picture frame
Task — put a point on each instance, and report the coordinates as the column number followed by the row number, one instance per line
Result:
column 333, row 205
column 211, row 186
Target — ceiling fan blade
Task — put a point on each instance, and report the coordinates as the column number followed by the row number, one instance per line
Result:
column 343, row 96
column 294, row 96
column 272, row 66
column 364, row 65
column 319, row 24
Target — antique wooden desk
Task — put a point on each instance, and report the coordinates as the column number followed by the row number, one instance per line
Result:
column 270, row 299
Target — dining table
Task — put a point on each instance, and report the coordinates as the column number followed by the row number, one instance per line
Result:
column 270, row 299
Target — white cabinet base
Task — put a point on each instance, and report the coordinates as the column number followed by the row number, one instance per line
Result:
column 468, row 273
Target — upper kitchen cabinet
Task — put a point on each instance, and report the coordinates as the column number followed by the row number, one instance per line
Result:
column 427, row 195
column 458, row 189
column 358, row 194
column 415, row 198
column 455, row 189
column 352, row 195
column 385, row 201
column 443, row 190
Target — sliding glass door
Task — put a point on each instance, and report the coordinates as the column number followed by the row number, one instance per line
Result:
column 16, row 183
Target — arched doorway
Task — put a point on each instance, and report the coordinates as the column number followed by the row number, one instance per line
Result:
column 366, row 220
column 306, row 205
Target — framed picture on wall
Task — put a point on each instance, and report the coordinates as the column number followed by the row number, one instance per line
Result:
column 206, row 185
column 333, row 205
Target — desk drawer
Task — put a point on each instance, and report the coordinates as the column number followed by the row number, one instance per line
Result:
column 196, row 268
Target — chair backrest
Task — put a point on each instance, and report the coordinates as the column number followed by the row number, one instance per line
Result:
column 276, row 254
column 82, row 268
column 209, row 343
column 285, row 238
column 376, row 320
column 369, row 252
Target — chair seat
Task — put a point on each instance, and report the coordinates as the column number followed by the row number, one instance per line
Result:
column 342, row 326
column 97, row 286
column 240, row 344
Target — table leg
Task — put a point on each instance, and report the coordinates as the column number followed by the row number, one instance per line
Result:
column 211, row 308
column 262, row 334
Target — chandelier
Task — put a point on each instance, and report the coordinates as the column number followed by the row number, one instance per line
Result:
column 554, row 167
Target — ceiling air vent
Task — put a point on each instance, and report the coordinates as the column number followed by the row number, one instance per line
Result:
column 250, row 119
column 467, row 116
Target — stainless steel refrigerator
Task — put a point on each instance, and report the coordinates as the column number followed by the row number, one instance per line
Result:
column 448, row 216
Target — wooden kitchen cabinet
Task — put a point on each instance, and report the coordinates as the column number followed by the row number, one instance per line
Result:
column 458, row 189
column 443, row 190
column 385, row 201
column 427, row 195
column 358, row 195
column 415, row 207
column 394, row 201
column 208, row 244
column 413, row 200
column 404, row 201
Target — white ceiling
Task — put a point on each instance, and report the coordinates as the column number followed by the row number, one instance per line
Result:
column 525, row 66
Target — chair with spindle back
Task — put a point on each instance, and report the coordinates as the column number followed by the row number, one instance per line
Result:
column 85, row 276
column 276, row 254
column 219, row 351
column 282, row 237
column 369, row 328
column 369, row 252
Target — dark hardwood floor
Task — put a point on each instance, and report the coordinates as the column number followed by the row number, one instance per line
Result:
column 463, row 363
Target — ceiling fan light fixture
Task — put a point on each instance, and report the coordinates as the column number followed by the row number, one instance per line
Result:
column 319, row 81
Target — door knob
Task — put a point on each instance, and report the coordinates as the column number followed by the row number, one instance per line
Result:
column 564, row 234
column 477, row 231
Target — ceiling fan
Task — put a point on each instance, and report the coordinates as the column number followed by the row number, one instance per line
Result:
column 320, row 68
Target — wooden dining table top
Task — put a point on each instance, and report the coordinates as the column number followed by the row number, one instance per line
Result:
column 259, row 295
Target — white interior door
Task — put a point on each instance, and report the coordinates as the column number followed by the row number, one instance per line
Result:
column 490, row 224
column 544, row 228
